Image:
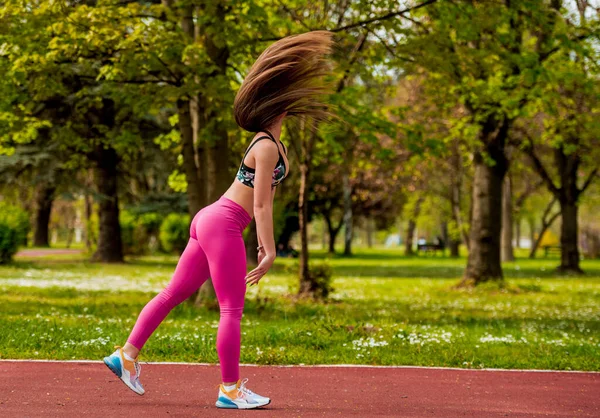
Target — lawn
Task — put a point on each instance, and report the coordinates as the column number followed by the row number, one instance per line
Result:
column 386, row 309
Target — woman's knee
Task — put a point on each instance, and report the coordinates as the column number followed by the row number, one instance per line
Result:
column 232, row 313
column 171, row 297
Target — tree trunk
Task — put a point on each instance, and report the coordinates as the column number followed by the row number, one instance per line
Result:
column 217, row 49
column 324, row 234
column 507, row 221
column 194, row 189
column 456, row 197
column 568, row 195
column 410, row 230
column 569, row 231
column 370, row 228
column 454, row 248
column 70, row 234
column 531, row 232
column 332, row 231
column 110, row 249
column 219, row 178
column 290, row 226
column 486, row 214
column 444, row 232
column 306, row 284
column 518, row 232
column 88, row 222
column 347, row 215
column 45, row 198
column 546, row 223
column 251, row 244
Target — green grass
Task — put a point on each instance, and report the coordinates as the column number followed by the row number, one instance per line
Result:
column 386, row 309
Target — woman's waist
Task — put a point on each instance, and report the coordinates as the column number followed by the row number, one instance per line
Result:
column 226, row 209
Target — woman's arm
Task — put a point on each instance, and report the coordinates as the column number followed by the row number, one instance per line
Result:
column 266, row 155
column 272, row 200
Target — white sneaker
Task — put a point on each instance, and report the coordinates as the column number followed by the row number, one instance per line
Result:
column 128, row 371
column 240, row 397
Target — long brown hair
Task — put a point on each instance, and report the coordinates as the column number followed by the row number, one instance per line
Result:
column 288, row 76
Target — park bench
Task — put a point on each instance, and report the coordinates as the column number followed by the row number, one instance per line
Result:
column 430, row 247
column 549, row 249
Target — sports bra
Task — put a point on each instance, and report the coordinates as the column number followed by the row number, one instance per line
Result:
column 246, row 174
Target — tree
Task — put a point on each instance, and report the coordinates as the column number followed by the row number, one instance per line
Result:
column 489, row 56
column 567, row 128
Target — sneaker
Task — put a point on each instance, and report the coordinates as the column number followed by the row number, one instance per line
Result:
column 240, row 397
column 128, row 371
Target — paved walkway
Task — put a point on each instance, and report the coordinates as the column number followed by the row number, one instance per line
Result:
column 54, row 389
column 41, row 252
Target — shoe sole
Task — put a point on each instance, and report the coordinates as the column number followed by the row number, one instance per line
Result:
column 222, row 405
column 118, row 373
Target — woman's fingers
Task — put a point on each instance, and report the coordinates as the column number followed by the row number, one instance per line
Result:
column 254, row 276
column 254, row 272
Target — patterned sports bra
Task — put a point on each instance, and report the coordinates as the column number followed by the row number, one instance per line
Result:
column 246, row 174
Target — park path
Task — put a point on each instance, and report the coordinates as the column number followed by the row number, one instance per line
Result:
column 65, row 389
column 43, row 252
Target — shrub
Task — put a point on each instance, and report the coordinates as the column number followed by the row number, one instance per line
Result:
column 175, row 232
column 14, row 226
column 128, row 235
column 139, row 231
column 320, row 276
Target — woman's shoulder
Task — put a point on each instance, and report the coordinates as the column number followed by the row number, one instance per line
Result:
column 266, row 148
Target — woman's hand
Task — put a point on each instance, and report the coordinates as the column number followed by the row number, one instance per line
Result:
column 255, row 275
column 261, row 254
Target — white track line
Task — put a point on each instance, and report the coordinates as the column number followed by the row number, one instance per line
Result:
column 366, row 366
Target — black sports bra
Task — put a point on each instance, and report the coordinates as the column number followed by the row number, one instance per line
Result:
column 246, row 174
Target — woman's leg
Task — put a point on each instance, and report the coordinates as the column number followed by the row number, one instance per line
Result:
column 191, row 272
column 227, row 260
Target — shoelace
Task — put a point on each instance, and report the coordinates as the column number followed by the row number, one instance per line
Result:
column 138, row 369
column 243, row 389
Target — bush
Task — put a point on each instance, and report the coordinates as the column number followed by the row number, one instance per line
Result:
column 175, row 232
column 139, row 231
column 14, row 226
column 320, row 276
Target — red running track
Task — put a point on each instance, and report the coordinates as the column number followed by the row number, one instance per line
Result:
column 53, row 389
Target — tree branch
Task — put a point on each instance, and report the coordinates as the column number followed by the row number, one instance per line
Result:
column 526, row 193
column 588, row 181
column 365, row 22
column 357, row 48
column 384, row 17
column 538, row 165
column 541, row 170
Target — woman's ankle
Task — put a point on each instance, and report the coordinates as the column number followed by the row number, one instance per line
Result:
column 131, row 351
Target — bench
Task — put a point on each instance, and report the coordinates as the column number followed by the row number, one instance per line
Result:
column 548, row 249
column 430, row 247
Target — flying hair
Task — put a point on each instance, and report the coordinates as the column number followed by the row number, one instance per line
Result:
column 289, row 76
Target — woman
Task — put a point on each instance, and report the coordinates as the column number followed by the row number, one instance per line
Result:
column 286, row 80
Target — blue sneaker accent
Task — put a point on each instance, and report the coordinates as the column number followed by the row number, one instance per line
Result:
column 114, row 364
column 224, row 402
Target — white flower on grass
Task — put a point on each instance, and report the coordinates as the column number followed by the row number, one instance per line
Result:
column 363, row 344
column 427, row 337
column 507, row 339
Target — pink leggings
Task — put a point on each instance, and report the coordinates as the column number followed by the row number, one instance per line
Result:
column 215, row 249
